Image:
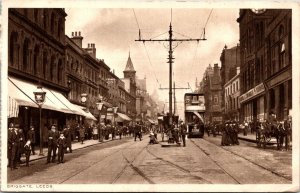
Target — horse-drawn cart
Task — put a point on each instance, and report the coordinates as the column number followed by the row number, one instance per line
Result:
column 266, row 131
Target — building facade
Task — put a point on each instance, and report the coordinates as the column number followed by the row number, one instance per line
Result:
column 266, row 63
column 232, row 94
column 230, row 60
column 212, row 90
column 36, row 56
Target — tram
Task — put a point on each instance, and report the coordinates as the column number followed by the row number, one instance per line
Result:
column 194, row 112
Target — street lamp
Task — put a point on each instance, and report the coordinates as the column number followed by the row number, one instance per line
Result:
column 115, row 109
column 99, row 106
column 39, row 96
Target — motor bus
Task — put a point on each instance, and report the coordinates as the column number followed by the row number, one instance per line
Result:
column 194, row 112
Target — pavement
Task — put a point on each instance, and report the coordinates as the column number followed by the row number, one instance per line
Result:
column 75, row 145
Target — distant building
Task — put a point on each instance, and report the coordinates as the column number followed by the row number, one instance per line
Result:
column 130, row 87
column 211, row 86
column 231, row 94
column 266, row 63
column 230, row 60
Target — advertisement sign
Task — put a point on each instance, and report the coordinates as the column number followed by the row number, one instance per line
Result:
column 252, row 92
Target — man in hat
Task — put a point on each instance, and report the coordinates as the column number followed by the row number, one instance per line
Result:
column 52, row 143
column 183, row 132
column 31, row 137
column 12, row 144
column 67, row 135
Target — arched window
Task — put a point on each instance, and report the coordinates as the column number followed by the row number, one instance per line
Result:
column 53, row 67
column 45, row 19
column 36, row 53
column 45, row 62
column 59, row 71
column 26, row 54
column 36, row 15
column 281, row 31
column 13, row 49
column 59, row 27
column 52, row 22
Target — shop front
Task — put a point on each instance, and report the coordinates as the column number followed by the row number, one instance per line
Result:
column 253, row 104
column 24, row 110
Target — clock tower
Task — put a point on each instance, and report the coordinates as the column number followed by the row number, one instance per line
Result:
column 129, row 71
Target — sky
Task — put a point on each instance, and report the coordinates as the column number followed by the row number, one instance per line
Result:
column 114, row 32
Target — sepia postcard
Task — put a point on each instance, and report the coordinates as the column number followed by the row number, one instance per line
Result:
column 149, row 96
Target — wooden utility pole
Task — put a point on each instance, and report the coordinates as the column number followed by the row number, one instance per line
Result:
column 170, row 59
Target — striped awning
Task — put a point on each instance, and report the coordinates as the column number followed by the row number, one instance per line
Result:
column 13, row 107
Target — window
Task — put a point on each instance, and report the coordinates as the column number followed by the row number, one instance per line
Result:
column 282, row 56
column 13, row 50
column 53, row 67
column 45, row 61
column 52, row 22
column 36, row 60
column 36, row 15
column 26, row 54
column 45, row 19
column 59, row 27
column 59, row 71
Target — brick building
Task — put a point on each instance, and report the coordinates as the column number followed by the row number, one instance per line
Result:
column 36, row 56
column 211, row 87
column 230, row 60
column 266, row 63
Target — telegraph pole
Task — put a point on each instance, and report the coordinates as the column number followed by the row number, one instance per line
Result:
column 170, row 59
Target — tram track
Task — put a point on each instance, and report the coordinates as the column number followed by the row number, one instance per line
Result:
column 178, row 167
column 86, row 168
column 135, row 168
column 208, row 155
column 254, row 163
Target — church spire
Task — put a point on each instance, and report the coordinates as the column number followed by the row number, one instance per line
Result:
column 129, row 65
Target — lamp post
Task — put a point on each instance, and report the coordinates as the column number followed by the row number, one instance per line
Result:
column 99, row 106
column 115, row 112
column 39, row 96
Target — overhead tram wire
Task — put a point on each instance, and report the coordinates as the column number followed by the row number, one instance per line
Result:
column 151, row 65
column 202, row 36
column 145, row 47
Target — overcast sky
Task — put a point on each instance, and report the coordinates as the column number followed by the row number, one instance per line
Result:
column 114, row 31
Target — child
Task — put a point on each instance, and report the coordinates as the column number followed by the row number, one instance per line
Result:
column 61, row 145
column 27, row 150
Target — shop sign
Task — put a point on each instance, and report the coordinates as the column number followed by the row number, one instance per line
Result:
column 217, row 119
column 252, row 92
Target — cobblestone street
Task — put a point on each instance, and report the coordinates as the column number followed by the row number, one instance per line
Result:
column 125, row 161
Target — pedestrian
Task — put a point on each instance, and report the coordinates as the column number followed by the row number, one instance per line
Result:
column 31, row 137
column 246, row 127
column 12, row 146
column 120, row 132
column 137, row 132
column 52, row 144
column 183, row 133
column 27, row 151
column 61, row 145
column 67, row 135
column 81, row 133
column 21, row 144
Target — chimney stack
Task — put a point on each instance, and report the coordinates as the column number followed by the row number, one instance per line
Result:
column 91, row 49
column 77, row 38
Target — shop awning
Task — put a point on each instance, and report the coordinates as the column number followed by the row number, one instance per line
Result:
column 199, row 116
column 87, row 115
column 122, row 117
column 13, row 107
column 22, row 92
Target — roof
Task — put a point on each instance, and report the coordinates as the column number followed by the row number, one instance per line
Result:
column 129, row 65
